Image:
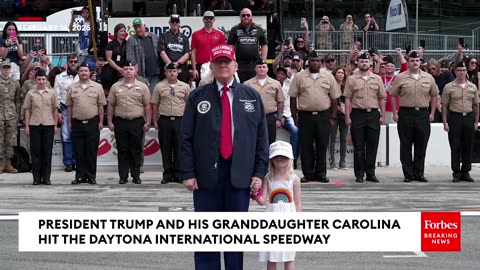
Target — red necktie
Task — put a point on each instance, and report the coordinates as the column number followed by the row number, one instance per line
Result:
column 226, row 131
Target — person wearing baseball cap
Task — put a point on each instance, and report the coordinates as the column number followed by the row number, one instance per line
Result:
column 129, row 102
column 168, row 103
column 330, row 63
column 272, row 97
column 174, row 48
column 223, row 147
column 203, row 41
column 325, row 39
column 142, row 50
column 10, row 95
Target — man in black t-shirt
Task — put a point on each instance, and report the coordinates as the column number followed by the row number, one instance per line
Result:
column 250, row 44
column 175, row 48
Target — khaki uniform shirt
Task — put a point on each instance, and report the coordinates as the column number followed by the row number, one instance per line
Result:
column 41, row 106
column 129, row 102
column 314, row 94
column 85, row 102
column 414, row 92
column 365, row 93
column 170, row 102
column 458, row 99
column 27, row 86
column 271, row 93
column 10, row 99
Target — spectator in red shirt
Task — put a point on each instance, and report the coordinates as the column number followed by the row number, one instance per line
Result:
column 203, row 41
column 388, row 78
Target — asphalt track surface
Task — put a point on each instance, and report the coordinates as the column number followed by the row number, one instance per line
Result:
column 341, row 194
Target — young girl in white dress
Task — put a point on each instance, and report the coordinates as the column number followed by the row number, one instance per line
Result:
column 281, row 193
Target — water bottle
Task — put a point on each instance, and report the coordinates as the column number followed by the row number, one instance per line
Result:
column 194, row 85
column 174, row 11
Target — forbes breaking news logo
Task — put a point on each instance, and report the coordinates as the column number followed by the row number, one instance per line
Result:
column 441, row 231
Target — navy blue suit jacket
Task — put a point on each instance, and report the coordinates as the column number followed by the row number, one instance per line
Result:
column 200, row 136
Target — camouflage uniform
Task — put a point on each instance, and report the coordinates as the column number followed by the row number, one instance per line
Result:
column 10, row 103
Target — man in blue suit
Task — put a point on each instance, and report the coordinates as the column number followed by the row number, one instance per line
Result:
column 223, row 148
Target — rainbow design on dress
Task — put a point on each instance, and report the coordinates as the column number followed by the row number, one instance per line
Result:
column 281, row 195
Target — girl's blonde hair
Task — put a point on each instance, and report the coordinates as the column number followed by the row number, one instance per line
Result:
column 271, row 167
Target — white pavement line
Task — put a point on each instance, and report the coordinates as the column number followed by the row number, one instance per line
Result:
column 418, row 254
column 9, row 217
column 473, row 213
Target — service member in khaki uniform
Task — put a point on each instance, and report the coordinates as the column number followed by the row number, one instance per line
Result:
column 129, row 101
column 168, row 103
column 85, row 101
column 418, row 92
column 316, row 93
column 460, row 97
column 272, row 97
column 10, row 102
column 365, row 110
column 41, row 117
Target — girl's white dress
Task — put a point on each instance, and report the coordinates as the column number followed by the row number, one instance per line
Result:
column 280, row 199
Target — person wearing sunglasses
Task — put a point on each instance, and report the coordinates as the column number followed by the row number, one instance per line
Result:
column 330, row 63
column 62, row 82
column 442, row 77
column 247, row 38
column 168, row 103
column 203, row 41
column 175, row 48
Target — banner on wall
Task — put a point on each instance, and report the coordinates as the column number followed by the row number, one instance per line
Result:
column 107, row 148
column 396, row 15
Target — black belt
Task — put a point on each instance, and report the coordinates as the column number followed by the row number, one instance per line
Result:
column 136, row 118
column 461, row 113
column 170, row 117
column 414, row 108
column 365, row 110
column 86, row 121
column 312, row 112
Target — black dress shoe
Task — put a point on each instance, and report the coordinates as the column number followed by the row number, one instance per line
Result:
column 123, row 181
column 137, row 181
column 304, row 180
column 323, row 180
column 36, row 183
column 76, row 181
column 407, row 179
column 467, row 178
column 359, row 179
column 92, row 181
column 372, row 178
column 164, row 181
column 68, row 168
column 421, row 179
column 457, row 178
column 46, row 182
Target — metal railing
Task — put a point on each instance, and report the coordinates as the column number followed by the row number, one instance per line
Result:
column 338, row 40
column 53, row 43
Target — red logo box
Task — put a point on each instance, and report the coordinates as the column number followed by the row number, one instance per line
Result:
column 441, row 231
